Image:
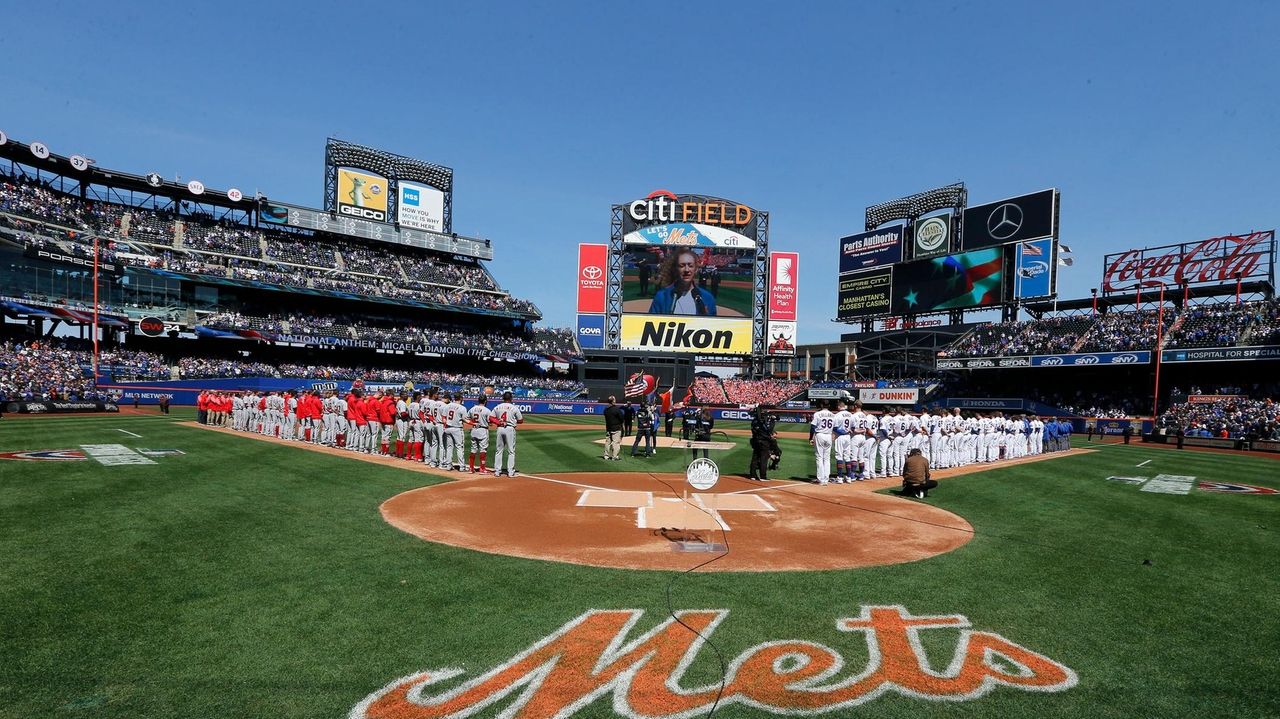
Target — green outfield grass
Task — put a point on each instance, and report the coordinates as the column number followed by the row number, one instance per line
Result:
column 247, row 579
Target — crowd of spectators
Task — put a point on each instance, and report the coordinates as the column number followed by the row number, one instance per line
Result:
column 986, row 341
column 1125, row 331
column 1229, row 417
column 46, row 370
column 549, row 386
column 1049, row 335
column 708, row 390
column 761, row 391
column 545, row 341
column 1266, row 326
column 207, row 248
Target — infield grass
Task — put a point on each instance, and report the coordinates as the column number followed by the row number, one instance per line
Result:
column 247, row 579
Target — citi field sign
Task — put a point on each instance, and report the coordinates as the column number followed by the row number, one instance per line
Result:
column 595, row 658
column 664, row 206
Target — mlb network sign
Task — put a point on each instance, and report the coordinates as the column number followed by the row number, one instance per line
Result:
column 591, row 332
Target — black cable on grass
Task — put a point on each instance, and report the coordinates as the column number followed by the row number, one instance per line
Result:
column 724, row 667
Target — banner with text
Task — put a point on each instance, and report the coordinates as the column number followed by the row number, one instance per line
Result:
column 871, row 249
column 593, row 263
column 784, row 285
column 420, row 207
column 864, row 294
column 676, row 333
column 782, row 338
column 894, row 395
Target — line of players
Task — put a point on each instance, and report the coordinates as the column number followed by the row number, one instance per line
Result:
column 429, row 426
column 869, row 447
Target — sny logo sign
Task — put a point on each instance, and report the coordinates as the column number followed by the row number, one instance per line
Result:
column 590, row 657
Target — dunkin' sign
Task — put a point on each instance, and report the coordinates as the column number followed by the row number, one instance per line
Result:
column 1217, row 260
column 595, row 656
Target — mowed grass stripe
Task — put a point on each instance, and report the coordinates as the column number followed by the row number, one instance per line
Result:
column 253, row 580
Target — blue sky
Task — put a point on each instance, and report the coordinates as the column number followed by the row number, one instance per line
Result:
column 1158, row 121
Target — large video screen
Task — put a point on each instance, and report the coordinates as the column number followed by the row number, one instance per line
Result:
column 951, row 282
column 695, row 299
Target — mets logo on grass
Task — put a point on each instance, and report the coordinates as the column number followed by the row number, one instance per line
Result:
column 595, row 656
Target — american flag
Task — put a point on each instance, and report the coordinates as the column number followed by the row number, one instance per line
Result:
column 639, row 385
column 1031, row 250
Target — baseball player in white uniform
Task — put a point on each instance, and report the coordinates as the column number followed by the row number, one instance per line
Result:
column 898, row 442
column 870, row 444
column 857, row 437
column 1037, row 435
column 820, row 429
column 506, row 415
column 843, row 428
column 403, row 443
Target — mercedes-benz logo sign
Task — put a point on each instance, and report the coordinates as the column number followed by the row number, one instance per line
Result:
column 1004, row 221
column 592, row 272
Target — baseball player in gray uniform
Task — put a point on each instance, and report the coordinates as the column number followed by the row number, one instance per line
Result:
column 454, row 446
column 506, row 415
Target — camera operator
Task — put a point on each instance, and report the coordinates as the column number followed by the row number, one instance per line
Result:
column 701, row 425
column 763, row 441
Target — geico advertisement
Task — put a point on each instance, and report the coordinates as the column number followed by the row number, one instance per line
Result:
column 717, row 335
column 362, row 195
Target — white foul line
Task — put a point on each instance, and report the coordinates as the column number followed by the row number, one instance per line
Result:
column 1146, row 462
column 131, row 434
column 561, row 481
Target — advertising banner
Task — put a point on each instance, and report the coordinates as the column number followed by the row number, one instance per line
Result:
column 871, row 249
column 1212, row 398
column 688, row 234
column 968, row 279
column 710, row 335
column 591, row 332
column 987, row 403
column 1017, row 219
column 1222, row 354
column 897, row 395
column 891, row 324
column 864, row 294
column 593, row 264
column 782, row 338
column 378, row 345
column 362, row 194
column 59, row 407
column 1034, row 269
column 419, row 207
column 932, row 236
column 784, row 284
column 62, row 258
column 1217, row 260
column 1069, row 360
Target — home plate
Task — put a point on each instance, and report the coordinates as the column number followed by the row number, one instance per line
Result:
column 678, row 514
column 612, row 498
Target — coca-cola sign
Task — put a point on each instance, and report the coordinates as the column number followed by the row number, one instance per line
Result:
column 1217, row 260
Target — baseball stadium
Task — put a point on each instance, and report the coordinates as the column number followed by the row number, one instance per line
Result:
column 267, row 452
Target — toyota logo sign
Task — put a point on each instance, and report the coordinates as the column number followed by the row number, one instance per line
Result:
column 592, row 272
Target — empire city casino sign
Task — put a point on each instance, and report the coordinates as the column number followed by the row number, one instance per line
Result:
column 592, row 657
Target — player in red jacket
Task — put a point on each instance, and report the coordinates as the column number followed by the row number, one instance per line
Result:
column 386, row 419
column 355, row 417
